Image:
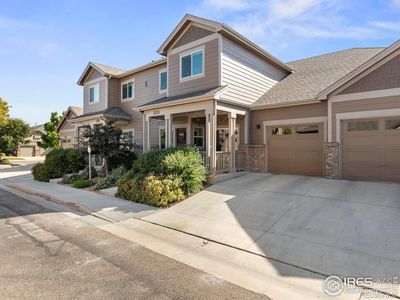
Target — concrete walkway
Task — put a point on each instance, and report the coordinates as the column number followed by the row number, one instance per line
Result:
column 281, row 263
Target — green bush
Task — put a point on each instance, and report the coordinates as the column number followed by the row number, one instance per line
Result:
column 152, row 190
column 82, row 183
column 69, row 178
column 111, row 179
column 64, row 161
column 185, row 163
column 41, row 172
column 85, row 173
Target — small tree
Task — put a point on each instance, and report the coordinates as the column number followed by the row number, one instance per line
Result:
column 13, row 134
column 112, row 144
column 4, row 110
column 50, row 138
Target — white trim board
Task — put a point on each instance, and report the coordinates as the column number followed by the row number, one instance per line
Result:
column 393, row 112
column 366, row 95
column 297, row 121
column 193, row 44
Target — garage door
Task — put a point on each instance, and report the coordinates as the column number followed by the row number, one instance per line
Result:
column 27, row 151
column 296, row 149
column 371, row 149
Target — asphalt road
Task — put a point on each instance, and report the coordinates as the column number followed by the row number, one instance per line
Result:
column 48, row 254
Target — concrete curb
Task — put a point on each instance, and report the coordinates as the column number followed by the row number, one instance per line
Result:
column 50, row 198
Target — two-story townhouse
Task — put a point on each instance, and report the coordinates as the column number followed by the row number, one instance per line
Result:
column 335, row 114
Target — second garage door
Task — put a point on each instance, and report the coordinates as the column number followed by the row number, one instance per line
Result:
column 27, row 151
column 371, row 149
column 296, row 149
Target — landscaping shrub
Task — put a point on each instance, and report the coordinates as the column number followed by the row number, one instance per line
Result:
column 85, row 173
column 123, row 158
column 111, row 179
column 186, row 163
column 41, row 172
column 69, row 178
column 64, row 161
column 82, row 183
column 152, row 190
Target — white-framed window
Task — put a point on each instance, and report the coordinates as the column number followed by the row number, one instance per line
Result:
column 94, row 93
column 130, row 135
column 198, row 137
column 163, row 80
column 128, row 90
column 192, row 64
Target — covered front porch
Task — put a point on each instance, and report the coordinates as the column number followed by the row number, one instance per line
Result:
column 216, row 129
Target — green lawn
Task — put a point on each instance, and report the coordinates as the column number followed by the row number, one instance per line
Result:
column 13, row 158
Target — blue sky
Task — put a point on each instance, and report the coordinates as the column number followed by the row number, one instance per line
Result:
column 45, row 45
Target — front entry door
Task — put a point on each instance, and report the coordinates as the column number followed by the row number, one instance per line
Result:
column 180, row 134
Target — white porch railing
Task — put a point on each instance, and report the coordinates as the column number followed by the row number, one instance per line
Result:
column 223, row 161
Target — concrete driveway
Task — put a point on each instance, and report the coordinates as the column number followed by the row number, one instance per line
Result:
column 328, row 227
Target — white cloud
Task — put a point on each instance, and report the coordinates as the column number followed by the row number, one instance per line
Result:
column 226, row 4
column 396, row 3
column 278, row 24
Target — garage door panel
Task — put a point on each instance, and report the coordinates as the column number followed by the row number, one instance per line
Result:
column 27, row 151
column 361, row 156
column 392, row 158
column 391, row 141
column 297, row 150
column 371, row 154
column 356, row 140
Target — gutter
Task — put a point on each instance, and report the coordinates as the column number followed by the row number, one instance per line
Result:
column 270, row 106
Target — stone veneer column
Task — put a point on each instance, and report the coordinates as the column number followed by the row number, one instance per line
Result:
column 331, row 160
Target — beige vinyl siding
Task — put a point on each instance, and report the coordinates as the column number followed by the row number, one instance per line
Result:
column 95, row 106
column 283, row 113
column 194, row 33
column 94, row 75
column 210, row 78
column 142, row 95
column 386, row 76
column 247, row 75
column 362, row 105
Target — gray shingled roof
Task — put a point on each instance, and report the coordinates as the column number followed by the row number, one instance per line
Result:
column 206, row 92
column 109, row 70
column 77, row 110
column 109, row 112
column 313, row 75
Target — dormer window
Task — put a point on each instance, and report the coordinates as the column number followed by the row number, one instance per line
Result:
column 163, row 80
column 128, row 90
column 192, row 64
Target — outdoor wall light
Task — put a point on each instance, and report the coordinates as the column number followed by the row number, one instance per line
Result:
column 258, row 126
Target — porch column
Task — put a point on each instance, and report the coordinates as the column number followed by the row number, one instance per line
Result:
column 213, row 162
column 168, row 131
column 208, row 140
column 246, row 127
column 148, row 146
column 144, row 133
column 232, row 143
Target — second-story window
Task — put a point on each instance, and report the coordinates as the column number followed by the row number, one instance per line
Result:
column 192, row 64
column 128, row 90
column 94, row 93
column 163, row 80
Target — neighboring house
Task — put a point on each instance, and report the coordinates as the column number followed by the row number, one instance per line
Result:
column 334, row 115
column 67, row 131
column 31, row 148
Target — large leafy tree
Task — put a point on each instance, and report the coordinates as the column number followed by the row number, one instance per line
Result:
column 50, row 137
column 112, row 144
column 4, row 110
column 12, row 134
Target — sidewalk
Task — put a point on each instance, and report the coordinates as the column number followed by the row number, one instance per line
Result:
column 126, row 219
